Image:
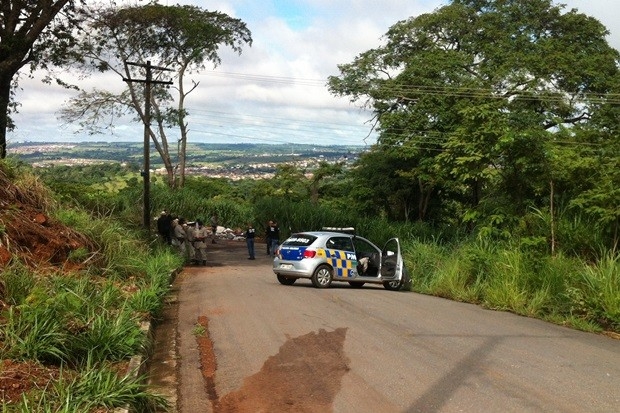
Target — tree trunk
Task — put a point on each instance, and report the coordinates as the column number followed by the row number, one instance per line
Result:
column 425, row 198
column 5, row 95
column 314, row 193
column 552, row 213
column 182, row 126
column 476, row 192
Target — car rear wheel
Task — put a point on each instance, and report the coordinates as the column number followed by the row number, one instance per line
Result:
column 397, row 285
column 286, row 280
column 322, row 276
column 393, row 285
column 356, row 284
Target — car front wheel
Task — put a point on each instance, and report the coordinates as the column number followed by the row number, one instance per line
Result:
column 286, row 281
column 322, row 276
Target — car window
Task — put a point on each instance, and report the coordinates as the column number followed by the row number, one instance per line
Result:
column 340, row 243
column 300, row 240
column 363, row 246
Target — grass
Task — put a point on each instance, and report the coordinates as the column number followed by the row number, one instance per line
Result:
column 502, row 276
column 33, row 334
column 85, row 324
column 17, row 281
column 600, row 285
column 91, row 388
column 199, row 330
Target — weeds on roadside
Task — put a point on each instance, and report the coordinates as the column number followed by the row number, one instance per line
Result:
column 91, row 387
column 600, row 286
column 199, row 330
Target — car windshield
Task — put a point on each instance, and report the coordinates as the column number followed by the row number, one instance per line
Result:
column 299, row 240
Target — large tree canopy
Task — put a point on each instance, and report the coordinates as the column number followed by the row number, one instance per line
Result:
column 30, row 34
column 477, row 95
column 180, row 38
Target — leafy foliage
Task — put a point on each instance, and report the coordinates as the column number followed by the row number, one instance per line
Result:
column 487, row 109
column 35, row 33
column 125, row 40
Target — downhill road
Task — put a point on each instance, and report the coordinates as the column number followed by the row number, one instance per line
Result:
column 235, row 340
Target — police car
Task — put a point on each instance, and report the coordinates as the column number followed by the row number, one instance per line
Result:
column 337, row 254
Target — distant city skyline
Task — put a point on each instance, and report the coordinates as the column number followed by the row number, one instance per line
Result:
column 275, row 91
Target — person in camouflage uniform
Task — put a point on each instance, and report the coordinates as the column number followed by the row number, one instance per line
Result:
column 200, row 245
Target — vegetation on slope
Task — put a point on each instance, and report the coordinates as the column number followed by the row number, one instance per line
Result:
column 74, row 289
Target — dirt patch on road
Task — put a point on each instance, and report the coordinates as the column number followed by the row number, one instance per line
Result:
column 207, row 359
column 304, row 376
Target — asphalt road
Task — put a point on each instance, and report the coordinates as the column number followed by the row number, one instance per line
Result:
column 297, row 348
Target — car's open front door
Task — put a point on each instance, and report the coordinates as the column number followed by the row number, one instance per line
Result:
column 392, row 266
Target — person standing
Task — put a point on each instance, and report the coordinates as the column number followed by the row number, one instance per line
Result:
column 267, row 236
column 250, row 233
column 179, row 236
column 274, row 238
column 200, row 243
column 189, row 241
column 214, row 223
column 164, row 226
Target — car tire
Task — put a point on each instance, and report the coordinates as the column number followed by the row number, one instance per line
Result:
column 356, row 284
column 397, row 285
column 322, row 276
column 393, row 285
column 286, row 280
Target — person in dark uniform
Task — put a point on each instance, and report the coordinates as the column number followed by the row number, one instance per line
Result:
column 274, row 237
column 250, row 233
column 164, row 226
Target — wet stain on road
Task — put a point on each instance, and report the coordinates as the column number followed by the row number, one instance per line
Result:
column 304, row 376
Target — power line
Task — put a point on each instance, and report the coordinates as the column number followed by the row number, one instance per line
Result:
column 265, row 123
column 399, row 90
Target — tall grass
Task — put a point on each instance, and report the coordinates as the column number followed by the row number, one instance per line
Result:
column 423, row 261
column 17, row 282
column 33, row 334
column 193, row 205
column 109, row 336
column 600, row 285
column 94, row 387
column 507, row 288
column 502, row 276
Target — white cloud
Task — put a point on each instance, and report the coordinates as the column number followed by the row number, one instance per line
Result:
column 276, row 88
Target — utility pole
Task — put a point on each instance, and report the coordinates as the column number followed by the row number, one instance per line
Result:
column 147, row 132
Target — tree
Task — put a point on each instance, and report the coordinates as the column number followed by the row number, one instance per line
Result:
column 323, row 171
column 290, row 182
column 475, row 93
column 182, row 38
column 30, row 34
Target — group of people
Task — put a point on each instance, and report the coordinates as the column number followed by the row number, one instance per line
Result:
column 189, row 237
column 272, row 238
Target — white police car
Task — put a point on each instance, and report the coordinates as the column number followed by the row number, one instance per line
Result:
column 340, row 255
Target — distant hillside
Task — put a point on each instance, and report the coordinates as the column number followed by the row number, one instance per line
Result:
column 222, row 160
column 52, row 152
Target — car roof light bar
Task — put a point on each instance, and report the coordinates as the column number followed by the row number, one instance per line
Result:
column 346, row 230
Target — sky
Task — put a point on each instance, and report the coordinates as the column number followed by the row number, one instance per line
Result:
column 275, row 91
